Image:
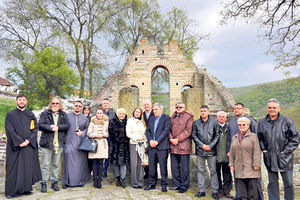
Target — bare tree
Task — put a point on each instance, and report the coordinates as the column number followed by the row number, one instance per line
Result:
column 280, row 21
column 81, row 21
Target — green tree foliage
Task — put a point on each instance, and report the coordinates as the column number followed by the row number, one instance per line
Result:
column 279, row 21
column 43, row 74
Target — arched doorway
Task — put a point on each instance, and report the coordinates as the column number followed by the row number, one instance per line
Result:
column 160, row 87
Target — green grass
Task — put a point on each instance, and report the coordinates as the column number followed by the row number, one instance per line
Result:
column 6, row 105
column 162, row 99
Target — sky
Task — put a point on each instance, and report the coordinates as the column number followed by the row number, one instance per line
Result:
column 234, row 54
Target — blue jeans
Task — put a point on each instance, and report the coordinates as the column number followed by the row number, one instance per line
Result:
column 273, row 186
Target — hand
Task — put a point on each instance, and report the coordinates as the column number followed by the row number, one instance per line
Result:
column 255, row 168
column 232, row 168
column 78, row 133
column 265, row 151
column 152, row 144
column 174, row 141
column 142, row 138
column 24, row 144
column 54, row 127
column 228, row 154
column 204, row 147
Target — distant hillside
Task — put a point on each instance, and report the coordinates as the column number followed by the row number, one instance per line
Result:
column 255, row 97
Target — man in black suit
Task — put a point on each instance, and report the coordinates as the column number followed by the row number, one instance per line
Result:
column 157, row 133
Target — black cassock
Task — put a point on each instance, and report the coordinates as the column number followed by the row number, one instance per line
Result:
column 22, row 163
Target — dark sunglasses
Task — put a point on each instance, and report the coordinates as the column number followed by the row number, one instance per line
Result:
column 178, row 107
column 54, row 103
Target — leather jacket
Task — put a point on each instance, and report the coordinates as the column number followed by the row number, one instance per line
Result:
column 205, row 133
column 46, row 120
column 280, row 138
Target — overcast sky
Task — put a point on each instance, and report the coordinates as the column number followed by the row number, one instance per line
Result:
column 234, row 53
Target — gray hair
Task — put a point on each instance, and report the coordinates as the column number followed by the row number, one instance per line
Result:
column 159, row 105
column 274, row 100
column 222, row 113
column 244, row 120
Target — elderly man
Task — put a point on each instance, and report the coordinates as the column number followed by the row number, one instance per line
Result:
column 205, row 134
column 107, row 110
column 22, row 163
column 157, row 134
column 223, row 149
column 181, row 147
column 147, row 111
column 278, row 137
column 54, row 125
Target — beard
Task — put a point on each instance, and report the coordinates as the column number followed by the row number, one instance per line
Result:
column 21, row 106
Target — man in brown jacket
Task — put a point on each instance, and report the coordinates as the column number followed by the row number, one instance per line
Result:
column 181, row 147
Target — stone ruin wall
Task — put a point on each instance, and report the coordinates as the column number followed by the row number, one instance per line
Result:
column 182, row 72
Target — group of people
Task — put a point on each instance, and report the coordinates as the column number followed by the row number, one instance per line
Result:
column 143, row 141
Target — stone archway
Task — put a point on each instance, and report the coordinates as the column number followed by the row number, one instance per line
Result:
column 160, row 87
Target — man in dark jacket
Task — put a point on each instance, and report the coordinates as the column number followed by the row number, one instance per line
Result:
column 206, row 136
column 54, row 125
column 278, row 137
column 107, row 110
column 157, row 134
column 181, row 147
column 223, row 148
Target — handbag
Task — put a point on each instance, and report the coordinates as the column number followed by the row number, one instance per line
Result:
column 88, row 144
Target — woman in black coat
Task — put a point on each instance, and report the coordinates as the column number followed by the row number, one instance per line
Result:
column 119, row 146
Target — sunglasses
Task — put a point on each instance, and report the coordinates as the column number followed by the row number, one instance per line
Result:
column 178, row 107
column 242, row 124
column 54, row 103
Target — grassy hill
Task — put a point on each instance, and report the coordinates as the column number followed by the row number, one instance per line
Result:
column 286, row 91
column 6, row 104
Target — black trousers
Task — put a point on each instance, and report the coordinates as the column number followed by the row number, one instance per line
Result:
column 248, row 188
column 97, row 166
column 158, row 156
column 225, row 186
column 180, row 165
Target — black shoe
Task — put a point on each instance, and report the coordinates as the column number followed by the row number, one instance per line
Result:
column 181, row 190
column 11, row 196
column 123, row 183
column 200, row 194
column 54, row 186
column 118, row 181
column 215, row 196
column 174, row 188
column 43, row 187
column 104, row 174
column 164, row 189
column 64, row 186
column 149, row 187
column 28, row 193
column 99, row 185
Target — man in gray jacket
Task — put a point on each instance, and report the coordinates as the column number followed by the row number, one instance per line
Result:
column 278, row 137
column 206, row 136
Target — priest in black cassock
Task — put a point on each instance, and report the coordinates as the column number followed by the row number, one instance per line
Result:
column 22, row 163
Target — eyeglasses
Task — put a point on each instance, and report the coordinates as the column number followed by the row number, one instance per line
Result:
column 178, row 107
column 78, row 106
column 54, row 103
column 242, row 124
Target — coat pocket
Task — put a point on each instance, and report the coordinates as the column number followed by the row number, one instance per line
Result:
column 284, row 160
column 267, row 159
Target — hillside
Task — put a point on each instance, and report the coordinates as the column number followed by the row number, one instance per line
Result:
column 255, row 97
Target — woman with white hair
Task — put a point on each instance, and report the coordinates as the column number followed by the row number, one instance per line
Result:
column 245, row 159
column 119, row 146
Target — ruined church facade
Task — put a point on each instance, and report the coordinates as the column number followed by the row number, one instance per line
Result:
column 129, row 87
